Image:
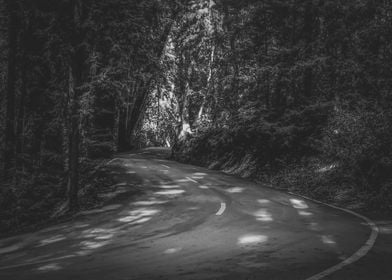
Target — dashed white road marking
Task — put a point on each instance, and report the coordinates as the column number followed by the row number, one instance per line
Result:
column 190, row 179
column 221, row 209
column 361, row 252
column 165, row 166
column 222, row 205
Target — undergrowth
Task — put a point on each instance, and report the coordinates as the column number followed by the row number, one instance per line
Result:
column 336, row 155
column 34, row 199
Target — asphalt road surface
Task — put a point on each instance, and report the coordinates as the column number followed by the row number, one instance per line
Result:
column 177, row 221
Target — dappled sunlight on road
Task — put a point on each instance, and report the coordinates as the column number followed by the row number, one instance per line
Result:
column 169, row 186
column 263, row 201
column 199, row 174
column 235, row 190
column 140, row 221
column 298, row 203
column 49, row 267
column 51, row 240
column 98, row 233
column 251, row 239
column 203, row 187
column 304, row 213
column 98, row 237
column 91, row 239
column 137, row 214
column 326, row 239
column 89, row 245
column 170, row 192
column 263, row 215
column 182, row 180
column 172, row 250
column 148, row 202
column 105, row 236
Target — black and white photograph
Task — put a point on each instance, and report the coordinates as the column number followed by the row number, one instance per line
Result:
column 195, row 140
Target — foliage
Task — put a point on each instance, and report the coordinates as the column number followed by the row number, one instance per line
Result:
column 295, row 84
column 361, row 143
column 81, row 76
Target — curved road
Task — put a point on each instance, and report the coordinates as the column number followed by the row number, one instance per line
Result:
column 178, row 221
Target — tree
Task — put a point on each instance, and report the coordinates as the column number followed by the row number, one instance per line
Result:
column 13, row 29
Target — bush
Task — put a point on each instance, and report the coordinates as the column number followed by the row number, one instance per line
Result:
column 268, row 142
column 362, row 144
column 342, row 155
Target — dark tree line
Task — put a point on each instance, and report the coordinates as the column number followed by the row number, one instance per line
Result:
column 77, row 78
column 280, row 89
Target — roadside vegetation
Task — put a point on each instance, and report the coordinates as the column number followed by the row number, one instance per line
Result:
column 347, row 161
column 300, row 99
column 75, row 76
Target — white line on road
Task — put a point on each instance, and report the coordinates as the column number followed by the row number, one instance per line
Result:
column 190, row 179
column 361, row 252
column 165, row 166
column 222, row 206
column 221, row 209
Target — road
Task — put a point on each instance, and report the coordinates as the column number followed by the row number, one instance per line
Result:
column 177, row 221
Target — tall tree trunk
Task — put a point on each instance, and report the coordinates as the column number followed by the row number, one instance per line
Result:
column 308, row 31
column 209, row 83
column 122, row 137
column 235, row 63
column 21, row 119
column 20, row 125
column 185, row 128
column 13, row 28
column 140, row 102
column 73, row 146
column 211, row 31
column 76, row 77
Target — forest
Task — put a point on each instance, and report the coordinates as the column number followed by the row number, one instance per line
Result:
column 296, row 95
